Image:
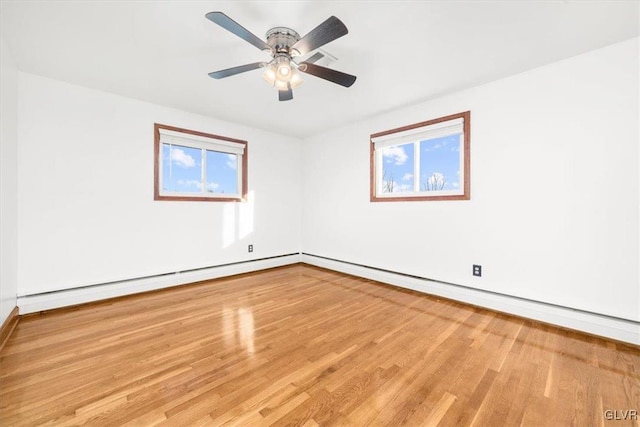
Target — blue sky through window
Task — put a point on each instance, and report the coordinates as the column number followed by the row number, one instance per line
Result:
column 222, row 176
column 182, row 170
column 397, row 168
column 439, row 164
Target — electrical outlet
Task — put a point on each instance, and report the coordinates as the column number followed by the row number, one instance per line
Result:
column 250, row 248
column 477, row 270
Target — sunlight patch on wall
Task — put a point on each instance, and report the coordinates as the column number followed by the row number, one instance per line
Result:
column 228, row 225
column 246, row 216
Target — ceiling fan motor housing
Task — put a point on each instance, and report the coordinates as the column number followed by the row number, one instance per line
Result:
column 281, row 39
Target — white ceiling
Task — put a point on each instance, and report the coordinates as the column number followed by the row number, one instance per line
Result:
column 402, row 52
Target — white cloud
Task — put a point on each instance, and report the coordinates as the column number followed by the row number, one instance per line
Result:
column 455, row 184
column 434, row 147
column 191, row 183
column 232, row 163
column 212, row 186
column 407, row 177
column 396, row 153
column 444, row 143
column 182, row 159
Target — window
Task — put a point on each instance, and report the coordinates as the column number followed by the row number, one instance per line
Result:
column 194, row 166
column 423, row 161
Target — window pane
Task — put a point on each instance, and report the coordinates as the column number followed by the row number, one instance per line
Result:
column 397, row 168
column 440, row 163
column 221, row 173
column 181, row 169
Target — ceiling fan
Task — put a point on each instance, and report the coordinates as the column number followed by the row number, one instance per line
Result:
column 284, row 44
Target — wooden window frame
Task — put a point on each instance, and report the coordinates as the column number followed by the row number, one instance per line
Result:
column 197, row 198
column 466, row 195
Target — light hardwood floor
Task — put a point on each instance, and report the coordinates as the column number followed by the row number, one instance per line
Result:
column 304, row 346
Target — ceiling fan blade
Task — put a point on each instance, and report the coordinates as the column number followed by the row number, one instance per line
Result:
column 229, row 24
column 285, row 95
column 236, row 70
column 343, row 79
column 324, row 33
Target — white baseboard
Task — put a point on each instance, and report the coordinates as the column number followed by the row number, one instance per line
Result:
column 64, row 298
column 606, row 326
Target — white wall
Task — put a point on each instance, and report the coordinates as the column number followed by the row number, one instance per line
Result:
column 553, row 215
column 8, row 185
column 85, row 185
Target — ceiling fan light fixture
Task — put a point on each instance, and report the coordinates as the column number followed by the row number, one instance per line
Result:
column 283, row 67
column 282, row 74
column 270, row 74
column 280, row 85
column 284, row 71
column 296, row 79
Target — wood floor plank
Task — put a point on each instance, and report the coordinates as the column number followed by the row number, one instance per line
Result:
column 305, row 346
